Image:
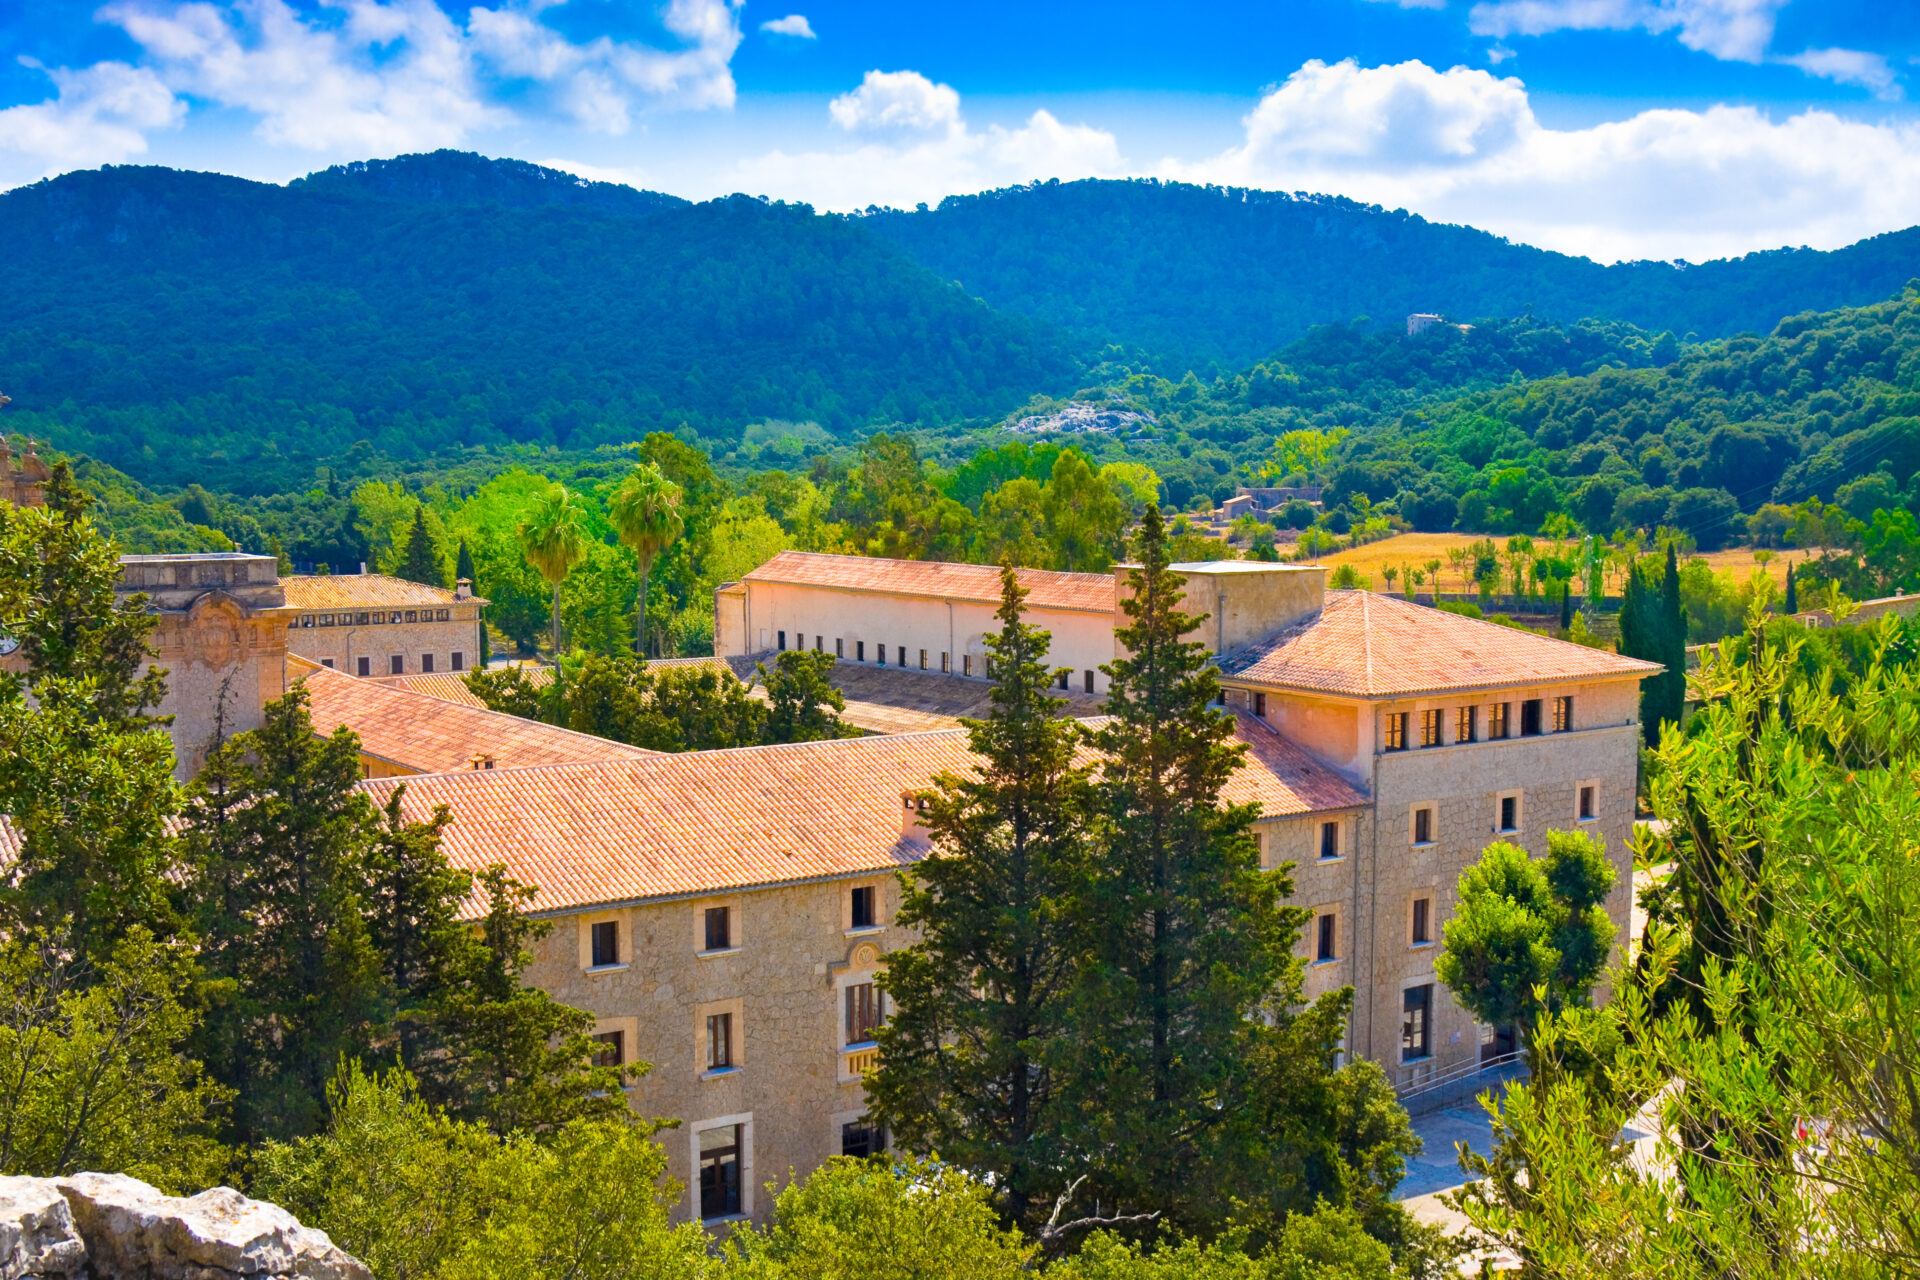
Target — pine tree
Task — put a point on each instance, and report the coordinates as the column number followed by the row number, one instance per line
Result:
column 1191, row 977
column 421, row 564
column 278, row 838
column 801, row 705
column 983, row 999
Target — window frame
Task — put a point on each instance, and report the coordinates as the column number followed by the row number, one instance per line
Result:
column 871, row 1003
column 1395, row 731
column 1517, row 798
column 1433, row 725
column 599, row 960
column 1415, row 813
column 1420, row 920
column 1468, row 717
column 743, row 1179
column 1581, row 789
column 1562, row 721
column 1326, row 940
column 1338, row 829
column 1416, row 1038
column 1499, row 721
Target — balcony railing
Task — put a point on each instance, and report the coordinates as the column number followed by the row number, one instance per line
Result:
column 1432, row 1088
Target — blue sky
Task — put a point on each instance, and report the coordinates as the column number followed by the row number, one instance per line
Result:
column 1614, row 128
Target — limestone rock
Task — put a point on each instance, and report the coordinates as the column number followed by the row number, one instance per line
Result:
column 37, row 1237
column 133, row 1232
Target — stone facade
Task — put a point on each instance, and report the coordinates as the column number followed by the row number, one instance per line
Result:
column 793, row 951
column 25, row 486
column 373, row 625
column 222, row 640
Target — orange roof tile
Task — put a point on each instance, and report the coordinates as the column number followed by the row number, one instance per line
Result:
column 943, row 580
column 363, row 591
column 1366, row 645
column 715, row 821
column 451, row 686
column 414, row 731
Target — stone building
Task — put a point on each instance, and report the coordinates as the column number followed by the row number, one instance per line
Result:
column 368, row 624
column 723, row 915
column 1387, row 744
column 23, row 486
column 222, row 639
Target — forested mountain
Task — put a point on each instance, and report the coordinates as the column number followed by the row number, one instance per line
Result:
column 1198, row 275
column 460, row 177
column 187, row 326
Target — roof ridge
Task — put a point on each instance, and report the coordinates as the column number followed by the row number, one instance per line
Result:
column 462, row 708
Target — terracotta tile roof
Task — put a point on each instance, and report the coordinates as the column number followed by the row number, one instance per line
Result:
column 414, row 731
column 1366, row 645
column 362, row 591
column 451, row 686
column 943, row 580
column 715, row 821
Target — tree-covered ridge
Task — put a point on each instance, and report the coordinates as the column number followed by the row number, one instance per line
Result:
column 1221, row 275
column 1826, row 408
column 460, row 177
column 185, row 326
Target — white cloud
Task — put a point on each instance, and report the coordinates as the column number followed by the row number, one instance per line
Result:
column 380, row 78
column 99, row 115
column 1736, row 30
column 920, row 148
column 897, row 102
column 1849, row 66
column 1416, row 4
column 1465, row 146
column 794, row 24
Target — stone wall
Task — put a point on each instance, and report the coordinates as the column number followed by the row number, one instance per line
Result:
column 413, row 643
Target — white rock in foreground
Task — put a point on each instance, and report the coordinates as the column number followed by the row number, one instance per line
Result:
column 112, row 1227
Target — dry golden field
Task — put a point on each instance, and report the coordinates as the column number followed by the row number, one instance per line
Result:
column 1418, row 548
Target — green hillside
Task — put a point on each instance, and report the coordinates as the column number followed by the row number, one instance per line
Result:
column 1204, row 275
column 186, row 326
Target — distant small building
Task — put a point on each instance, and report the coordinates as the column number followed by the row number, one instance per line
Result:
column 1421, row 321
column 1866, row 612
column 369, row 624
column 1268, row 498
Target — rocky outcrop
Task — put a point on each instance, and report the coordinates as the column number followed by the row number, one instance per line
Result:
column 101, row 1226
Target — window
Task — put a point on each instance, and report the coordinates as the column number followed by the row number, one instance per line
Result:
column 902, row 649
column 363, row 666
column 378, row 619
column 398, row 664
column 606, row 943
column 946, row 664
column 1329, row 840
column 863, row 1012
column 881, row 651
column 1589, row 802
column 860, row 651
column 1463, row 723
column 864, row 916
column 1260, row 704
column 612, row 1051
column 1497, row 720
column 1422, row 932
column 720, row 1171
column 1423, row 826
column 458, row 661
column 1260, row 846
column 719, row 928
column 1562, row 714
column 923, row 659
column 783, row 642
column 966, row 664
column 326, row 620
column 1430, row 727
column 306, row 619
column 413, row 615
column 1509, row 813
column 1397, row 731
column 1088, row 681
column 1416, row 1018
column 719, row 1041
column 1530, row 718
column 327, row 663
column 440, row 615
column 1061, row 681
column 426, row 663
column 1324, row 949
column 862, row 1138
column 819, row 644
column 361, row 618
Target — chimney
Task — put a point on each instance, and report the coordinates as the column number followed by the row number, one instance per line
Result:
column 363, row 566
column 913, row 807
column 463, row 589
column 481, row 760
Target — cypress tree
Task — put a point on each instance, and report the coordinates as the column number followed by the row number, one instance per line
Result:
column 421, row 564
column 1566, row 607
column 968, row 1060
column 1673, row 634
column 1793, row 593
column 1190, row 977
column 464, row 564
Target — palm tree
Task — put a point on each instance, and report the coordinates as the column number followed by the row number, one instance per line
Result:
column 553, row 537
column 645, row 511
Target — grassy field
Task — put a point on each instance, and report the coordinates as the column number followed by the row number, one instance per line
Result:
column 1418, row 548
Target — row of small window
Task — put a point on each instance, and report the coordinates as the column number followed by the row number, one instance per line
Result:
column 880, row 653
column 1326, row 941
column 1466, row 722
column 721, row 1156
column 866, row 1013
column 397, row 664
column 374, row 618
column 1508, row 813
column 718, row 931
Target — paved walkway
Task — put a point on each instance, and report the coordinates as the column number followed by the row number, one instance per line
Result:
column 1438, row 1167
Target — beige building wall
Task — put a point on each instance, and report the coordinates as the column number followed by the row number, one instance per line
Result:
column 783, row 981
column 855, row 625
column 343, row 646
